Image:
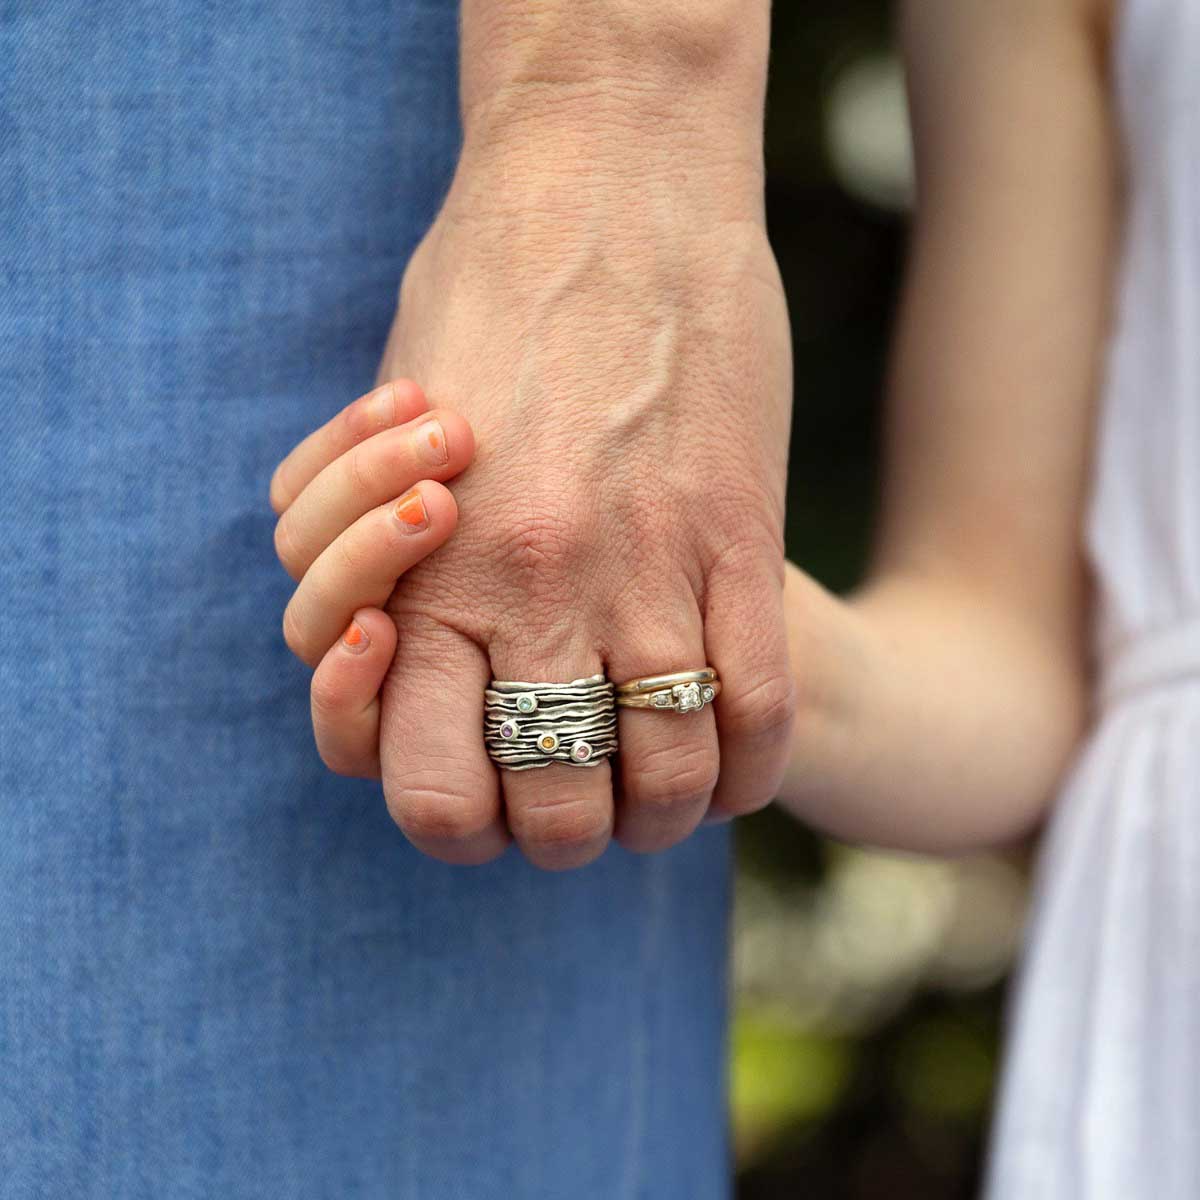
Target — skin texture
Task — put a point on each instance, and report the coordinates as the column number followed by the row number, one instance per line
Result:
column 598, row 298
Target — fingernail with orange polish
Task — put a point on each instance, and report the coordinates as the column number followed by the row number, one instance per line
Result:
column 355, row 638
column 431, row 443
column 410, row 512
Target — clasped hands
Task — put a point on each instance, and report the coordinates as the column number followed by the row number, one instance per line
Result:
column 611, row 416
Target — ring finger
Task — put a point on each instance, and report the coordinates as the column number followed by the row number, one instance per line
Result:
column 669, row 760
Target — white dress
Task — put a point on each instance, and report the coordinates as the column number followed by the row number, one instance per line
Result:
column 1101, row 1094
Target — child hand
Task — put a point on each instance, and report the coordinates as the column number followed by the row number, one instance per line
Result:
column 359, row 503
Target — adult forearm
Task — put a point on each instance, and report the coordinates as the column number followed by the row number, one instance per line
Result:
column 669, row 46
column 625, row 94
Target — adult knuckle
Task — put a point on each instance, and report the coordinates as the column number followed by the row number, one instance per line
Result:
column 542, row 540
column 543, row 552
column 766, row 706
column 739, row 563
column 657, row 564
column 742, row 533
column 567, row 825
column 667, row 781
column 439, row 809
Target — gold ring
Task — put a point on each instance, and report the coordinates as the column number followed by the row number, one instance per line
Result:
column 679, row 691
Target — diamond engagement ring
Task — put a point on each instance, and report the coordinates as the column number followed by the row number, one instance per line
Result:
column 680, row 691
column 530, row 725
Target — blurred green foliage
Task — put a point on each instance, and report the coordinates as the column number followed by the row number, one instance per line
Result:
column 896, row 1108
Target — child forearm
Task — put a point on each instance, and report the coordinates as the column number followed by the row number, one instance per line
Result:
column 939, row 706
column 931, row 717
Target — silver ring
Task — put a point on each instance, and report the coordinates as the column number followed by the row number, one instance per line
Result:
column 531, row 725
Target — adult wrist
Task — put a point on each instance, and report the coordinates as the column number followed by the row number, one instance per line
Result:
column 671, row 47
column 615, row 95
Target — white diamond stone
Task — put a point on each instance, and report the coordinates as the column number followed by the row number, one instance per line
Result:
column 527, row 703
column 687, row 697
column 661, row 700
column 707, row 693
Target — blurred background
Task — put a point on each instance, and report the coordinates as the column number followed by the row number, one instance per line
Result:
column 869, row 987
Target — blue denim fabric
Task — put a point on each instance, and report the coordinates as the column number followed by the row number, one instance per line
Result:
column 222, row 970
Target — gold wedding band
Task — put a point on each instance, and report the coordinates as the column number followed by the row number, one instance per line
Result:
column 678, row 691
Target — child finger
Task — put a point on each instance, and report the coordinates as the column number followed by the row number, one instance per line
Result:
column 360, row 568
column 436, row 445
column 345, row 694
column 389, row 404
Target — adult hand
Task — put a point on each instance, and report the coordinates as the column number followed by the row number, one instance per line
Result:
column 599, row 299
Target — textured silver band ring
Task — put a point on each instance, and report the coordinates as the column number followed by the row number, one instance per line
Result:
column 677, row 691
column 531, row 725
